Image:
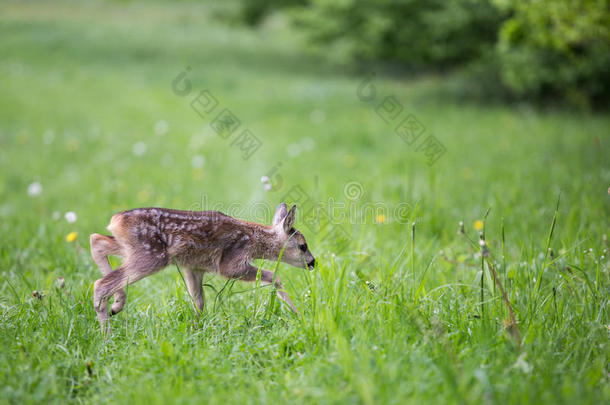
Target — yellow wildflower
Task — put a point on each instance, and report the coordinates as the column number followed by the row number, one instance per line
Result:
column 478, row 225
column 380, row 219
column 71, row 237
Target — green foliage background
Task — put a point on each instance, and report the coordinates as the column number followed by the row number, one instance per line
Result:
column 550, row 50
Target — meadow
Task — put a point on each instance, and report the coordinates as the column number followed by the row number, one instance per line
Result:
column 402, row 306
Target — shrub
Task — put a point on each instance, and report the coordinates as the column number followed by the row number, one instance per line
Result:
column 538, row 50
column 557, row 49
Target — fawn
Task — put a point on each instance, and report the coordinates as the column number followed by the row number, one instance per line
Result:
column 147, row 239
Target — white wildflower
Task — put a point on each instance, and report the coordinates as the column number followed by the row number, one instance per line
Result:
column 161, row 127
column 34, row 189
column 139, row 149
column 70, row 217
column 198, row 161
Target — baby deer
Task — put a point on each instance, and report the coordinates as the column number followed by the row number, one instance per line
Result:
column 148, row 239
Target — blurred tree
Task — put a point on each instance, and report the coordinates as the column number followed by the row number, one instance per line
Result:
column 557, row 49
column 253, row 11
column 530, row 49
column 434, row 34
column 419, row 34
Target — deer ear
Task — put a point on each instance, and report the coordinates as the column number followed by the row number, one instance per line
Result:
column 280, row 213
column 289, row 220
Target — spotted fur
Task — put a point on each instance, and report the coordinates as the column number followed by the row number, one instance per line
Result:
column 148, row 239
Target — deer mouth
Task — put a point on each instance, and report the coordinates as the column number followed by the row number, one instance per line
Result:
column 311, row 264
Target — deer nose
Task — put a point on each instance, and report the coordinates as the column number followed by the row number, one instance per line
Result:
column 311, row 264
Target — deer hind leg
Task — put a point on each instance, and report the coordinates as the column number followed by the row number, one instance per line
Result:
column 101, row 247
column 129, row 272
column 193, row 280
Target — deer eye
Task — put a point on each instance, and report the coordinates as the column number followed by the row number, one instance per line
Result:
column 303, row 247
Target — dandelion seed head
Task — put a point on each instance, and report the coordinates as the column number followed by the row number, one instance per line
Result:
column 34, row 189
column 161, row 127
column 70, row 217
column 198, row 161
column 139, row 148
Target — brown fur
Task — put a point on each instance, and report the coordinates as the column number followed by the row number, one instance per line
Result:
column 148, row 239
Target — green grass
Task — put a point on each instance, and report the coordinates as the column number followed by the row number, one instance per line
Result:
column 384, row 321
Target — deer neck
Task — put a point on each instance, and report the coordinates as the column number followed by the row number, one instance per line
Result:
column 267, row 243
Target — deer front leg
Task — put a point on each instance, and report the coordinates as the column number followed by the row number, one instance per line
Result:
column 193, row 280
column 233, row 266
column 266, row 279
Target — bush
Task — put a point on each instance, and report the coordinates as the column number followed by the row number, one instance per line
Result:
column 557, row 49
column 538, row 50
column 433, row 34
